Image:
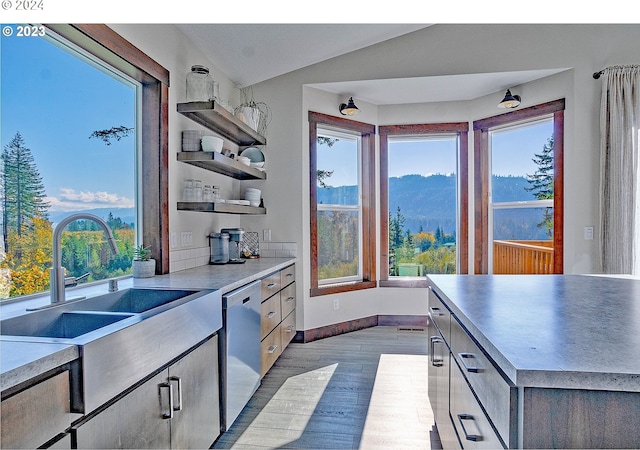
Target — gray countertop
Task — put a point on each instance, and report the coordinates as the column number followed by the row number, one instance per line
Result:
column 555, row 331
column 21, row 361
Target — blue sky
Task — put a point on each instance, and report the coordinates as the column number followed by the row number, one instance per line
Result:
column 56, row 101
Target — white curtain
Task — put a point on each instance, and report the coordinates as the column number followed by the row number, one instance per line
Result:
column 620, row 170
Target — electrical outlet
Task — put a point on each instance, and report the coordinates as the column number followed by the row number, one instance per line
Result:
column 186, row 238
column 266, row 235
column 336, row 303
column 588, row 233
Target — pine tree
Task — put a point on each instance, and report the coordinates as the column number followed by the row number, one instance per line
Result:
column 22, row 190
column 542, row 182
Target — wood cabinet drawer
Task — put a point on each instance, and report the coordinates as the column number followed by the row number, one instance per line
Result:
column 288, row 299
column 271, row 315
column 270, row 350
column 439, row 315
column 270, row 285
column 287, row 275
column 39, row 413
column 497, row 397
column 288, row 329
column 470, row 422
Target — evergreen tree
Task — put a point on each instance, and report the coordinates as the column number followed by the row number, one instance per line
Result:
column 22, row 190
column 541, row 183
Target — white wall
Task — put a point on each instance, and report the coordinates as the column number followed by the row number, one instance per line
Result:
column 436, row 50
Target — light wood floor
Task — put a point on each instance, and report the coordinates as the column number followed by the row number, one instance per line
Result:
column 361, row 390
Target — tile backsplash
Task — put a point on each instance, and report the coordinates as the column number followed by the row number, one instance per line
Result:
column 195, row 257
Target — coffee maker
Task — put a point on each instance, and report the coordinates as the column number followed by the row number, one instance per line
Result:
column 236, row 247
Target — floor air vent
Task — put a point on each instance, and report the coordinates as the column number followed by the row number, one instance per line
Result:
column 412, row 329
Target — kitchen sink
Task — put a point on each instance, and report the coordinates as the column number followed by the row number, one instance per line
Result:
column 56, row 324
column 122, row 336
column 134, row 300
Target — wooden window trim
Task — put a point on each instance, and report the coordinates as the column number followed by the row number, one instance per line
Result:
column 481, row 130
column 367, row 133
column 107, row 45
column 459, row 128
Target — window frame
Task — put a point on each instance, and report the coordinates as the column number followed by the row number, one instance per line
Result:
column 461, row 129
column 105, row 44
column 482, row 129
column 367, row 201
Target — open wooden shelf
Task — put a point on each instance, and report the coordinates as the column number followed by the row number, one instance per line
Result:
column 226, row 208
column 217, row 162
column 213, row 116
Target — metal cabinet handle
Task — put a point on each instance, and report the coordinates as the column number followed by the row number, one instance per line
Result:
column 464, row 357
column 272, row 349
column 290, row 299
column 166, row 415
column 435, row 311
column 178, row 406
column 467, row 436
column 289, row 329
column 270, row 285
column 271, row 314
column 289, row 275
column 433, row 340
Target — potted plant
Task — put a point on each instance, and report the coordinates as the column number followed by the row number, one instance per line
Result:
column 143, row 265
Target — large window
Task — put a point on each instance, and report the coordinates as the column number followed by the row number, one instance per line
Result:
column 423, row 187
column 342, row 204
column 80, row 112
column 519, row 190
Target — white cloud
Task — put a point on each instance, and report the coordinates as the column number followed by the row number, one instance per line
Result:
column 71, row 200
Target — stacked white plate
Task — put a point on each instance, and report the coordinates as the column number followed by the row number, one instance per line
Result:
column 253, row 195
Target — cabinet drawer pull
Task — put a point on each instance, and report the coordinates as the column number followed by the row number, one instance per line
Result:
column 178, row 406
column 433, row 340
column 290, row 299
column 271, row 314
column 166, row 415
column 289, row 275
column 467, row 436
column 289, row 329
column 464, row 357
column 270, row 285
column 435, row 311
column 272, row 349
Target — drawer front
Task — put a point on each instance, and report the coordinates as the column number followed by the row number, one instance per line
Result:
column 270, row 285
column 288, row 329
column 271, row 315
column 288, row 299
column 270, row 350
column 37, row 414
column 287, row 275
column 440, row 315
column 473, row 427
column 495, row 394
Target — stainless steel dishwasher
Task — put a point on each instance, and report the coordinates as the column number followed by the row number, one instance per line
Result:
column 239, row 350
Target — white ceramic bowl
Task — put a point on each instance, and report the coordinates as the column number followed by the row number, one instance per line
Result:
column 212, row 144
column 257, row 164
column 244, row 160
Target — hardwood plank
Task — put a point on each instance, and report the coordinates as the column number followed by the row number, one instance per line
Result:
column 364, row 389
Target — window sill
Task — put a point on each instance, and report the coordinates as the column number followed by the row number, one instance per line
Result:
column 405, row 282
column 338, row 288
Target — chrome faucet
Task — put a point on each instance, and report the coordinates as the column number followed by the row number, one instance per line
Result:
column 56, row 274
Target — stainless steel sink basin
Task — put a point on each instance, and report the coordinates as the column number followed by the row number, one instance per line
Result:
column 56, row 324
column 122, row 336
column 134, row 300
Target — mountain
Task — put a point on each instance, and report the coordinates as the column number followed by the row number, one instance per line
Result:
column 429, row 202
column 127, row 215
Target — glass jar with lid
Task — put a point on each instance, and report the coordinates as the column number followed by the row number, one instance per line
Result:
column 199, row 85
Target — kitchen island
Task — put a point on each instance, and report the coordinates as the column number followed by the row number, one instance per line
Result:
column 552, row 360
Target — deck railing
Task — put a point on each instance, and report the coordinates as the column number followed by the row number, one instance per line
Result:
column 522, row 257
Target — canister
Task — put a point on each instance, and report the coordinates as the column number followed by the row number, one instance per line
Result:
column 219, row 246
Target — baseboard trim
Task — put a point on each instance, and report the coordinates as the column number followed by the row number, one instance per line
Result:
column 303, row 336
